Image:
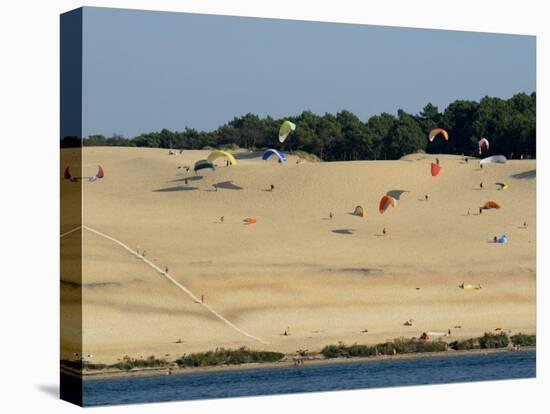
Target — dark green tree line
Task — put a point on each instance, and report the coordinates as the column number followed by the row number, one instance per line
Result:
column 509, row 125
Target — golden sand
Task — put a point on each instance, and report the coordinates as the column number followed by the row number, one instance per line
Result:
column 321, row 280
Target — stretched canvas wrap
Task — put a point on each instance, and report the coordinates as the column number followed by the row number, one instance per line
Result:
column 257, row 206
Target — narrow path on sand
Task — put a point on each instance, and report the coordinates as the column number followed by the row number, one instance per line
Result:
column 170, row 278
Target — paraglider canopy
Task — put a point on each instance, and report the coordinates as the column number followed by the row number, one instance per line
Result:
column 220, row 153
column 483, row 145
column 286, row 128
column 67, row 175
column 249, row 220
column 502, row 239
column 490, row 204
column 100, row 174
column 396, row 194
column 359, row 211
column 202, row 164
column 497, row 159
column 386, row 202
column 435, row 169
column 437, row 131
column 268, row 153
column 502, row 186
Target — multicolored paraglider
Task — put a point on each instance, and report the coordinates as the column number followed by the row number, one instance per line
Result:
column 501, row 186
column 494, row 159
column 286, row 128
column 273, row 152
column 435, row 169
column 490, row 205
column 396, row 194
column 386, row 202
column 99, row 175
column 438, row 131
column 249, row 220
column 202, row 164
column 219, row 153
column 483, row 145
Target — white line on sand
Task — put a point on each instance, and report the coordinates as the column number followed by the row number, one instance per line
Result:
column 69, row 232
column 170, row 278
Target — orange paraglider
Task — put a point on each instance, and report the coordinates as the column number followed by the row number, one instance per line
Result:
column 490, row 204
column 249, row 220
column 435, row 132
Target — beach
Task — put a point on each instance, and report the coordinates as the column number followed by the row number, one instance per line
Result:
column 295, row 270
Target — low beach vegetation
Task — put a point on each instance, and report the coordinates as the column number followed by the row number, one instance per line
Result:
column 222, row 356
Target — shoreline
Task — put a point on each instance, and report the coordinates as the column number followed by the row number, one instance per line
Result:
column 286, row 363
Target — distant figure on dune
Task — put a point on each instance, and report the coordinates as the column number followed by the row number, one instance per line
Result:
column 166, row 269
column 384, row 231
column 185, row 181
column 186, row 169
column 271, row 187
column 480, row 210
column 143, row 253
column 437, row 161
column 202, row 298
column 426, row 197
column 468, row 212
column 215, row 187
column 524, row 224
column 466, row 160
column 481, row 185
column 221, row 219
column 330, row 215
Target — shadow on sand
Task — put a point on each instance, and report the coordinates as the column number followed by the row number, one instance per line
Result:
column 174, row 189
column 191, row 178
column 228, row 185
column 343, row 231
column 525, row 174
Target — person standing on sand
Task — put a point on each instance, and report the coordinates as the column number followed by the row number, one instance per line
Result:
column 481, row 185
column 468, row 212
column 215, row 187
column 202, row 299
column 271, row 187
column 437, row 161
column 426, row 197
column 524, row 224
column 384, row 231
column 480, row 210
column 330, row 215
column 221, row 219
column 185, row 181
column 166, row 269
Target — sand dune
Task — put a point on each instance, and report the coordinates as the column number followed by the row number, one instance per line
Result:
column 326, row 280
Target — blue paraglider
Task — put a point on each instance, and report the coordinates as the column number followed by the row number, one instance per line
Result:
column 268, row 153
column 502, row 239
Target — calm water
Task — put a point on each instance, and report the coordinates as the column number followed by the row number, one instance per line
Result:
column 374, row 374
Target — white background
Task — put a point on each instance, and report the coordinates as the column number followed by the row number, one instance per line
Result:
column 29, row 207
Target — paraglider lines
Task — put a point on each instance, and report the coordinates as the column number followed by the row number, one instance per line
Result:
column 171, row 279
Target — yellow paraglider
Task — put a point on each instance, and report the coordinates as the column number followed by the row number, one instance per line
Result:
column 286, row 128
column 220, row 153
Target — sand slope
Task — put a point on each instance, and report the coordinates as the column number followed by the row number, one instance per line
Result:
column 326, row 280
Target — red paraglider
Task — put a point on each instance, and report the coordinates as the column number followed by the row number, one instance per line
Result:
column 436, row 168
